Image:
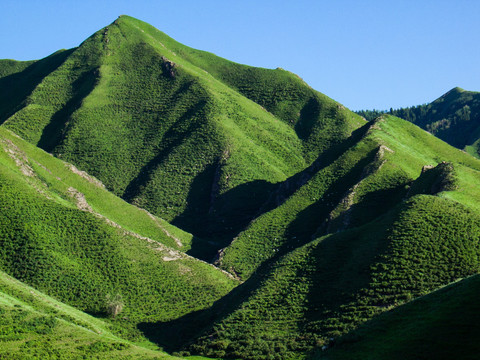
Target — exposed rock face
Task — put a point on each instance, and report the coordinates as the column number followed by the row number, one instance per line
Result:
column 168, row 67
column 427, row 167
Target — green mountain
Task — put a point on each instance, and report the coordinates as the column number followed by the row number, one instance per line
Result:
column 454, row 117
column 311, row 220
column 189, row 136
column 321, row 266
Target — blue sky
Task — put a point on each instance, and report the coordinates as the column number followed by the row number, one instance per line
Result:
column 364, row 54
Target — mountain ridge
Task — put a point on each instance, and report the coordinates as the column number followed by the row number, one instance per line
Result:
column 317, row 221
column 233, row 142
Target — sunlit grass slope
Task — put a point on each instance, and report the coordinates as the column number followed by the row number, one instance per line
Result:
column 36, row 326
column 64, row 234
column 193, row 138
column 440, row 325
column 399, row 231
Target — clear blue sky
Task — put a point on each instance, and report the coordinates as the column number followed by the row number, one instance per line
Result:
column 364, row 54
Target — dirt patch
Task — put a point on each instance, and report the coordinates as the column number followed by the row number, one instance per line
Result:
column 165, row 231
column 85, row 175
column 19, row 157
column 81, row 202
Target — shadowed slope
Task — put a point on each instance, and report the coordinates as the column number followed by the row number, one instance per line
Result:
column 19, row 78
column 440, row 325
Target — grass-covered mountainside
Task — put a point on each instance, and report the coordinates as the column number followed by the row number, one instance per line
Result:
column 441, row 325
column 312, row 221
column 400, row 221
column 64, row 234
column 189, row 136
column 454, row 117
column 36, row 326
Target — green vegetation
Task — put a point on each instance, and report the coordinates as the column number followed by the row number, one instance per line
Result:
column 320, row 221
column 33, row 326
column 176, row 136
column 56, row 234
column 390, row 244
column 454, row 117
column 440, row 325
column 327, row 288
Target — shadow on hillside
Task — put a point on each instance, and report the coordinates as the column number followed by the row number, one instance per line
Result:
column 179, row 333
column 308, row 117
column 54, row 131
column 173, row 137
column 308, row 222
column 15, row 88
column 340, row 269
column 231, row 212
column 225, row 218
column 311, row 115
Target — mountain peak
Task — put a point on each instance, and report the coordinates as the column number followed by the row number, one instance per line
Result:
column 457, row 90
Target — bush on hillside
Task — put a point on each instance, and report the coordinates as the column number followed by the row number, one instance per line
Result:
column 114, row 305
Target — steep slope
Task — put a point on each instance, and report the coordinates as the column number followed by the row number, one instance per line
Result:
column 19, row 78
column 34, row 325
column 441, row 325
column 394, row 235
column 454, row 117
column 348, row 186
column 169, row 128
column 64, row 234
column 326, row 220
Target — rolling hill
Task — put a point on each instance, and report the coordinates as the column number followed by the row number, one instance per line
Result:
column 34, row 326
column 64, row 234
column 403, row 229
column 236, row 212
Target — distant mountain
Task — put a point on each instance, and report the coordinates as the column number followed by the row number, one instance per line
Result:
column 454, row 117
column 228, row 211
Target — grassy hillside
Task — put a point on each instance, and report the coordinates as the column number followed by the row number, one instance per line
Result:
column 441, row 325
column 34, row 325
column 394, row 235
column 349, row 186
column 333, row 284
column 319, row 220
column 19, row 78
column 64, row 234
column 193, row 138
column 454, row 117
